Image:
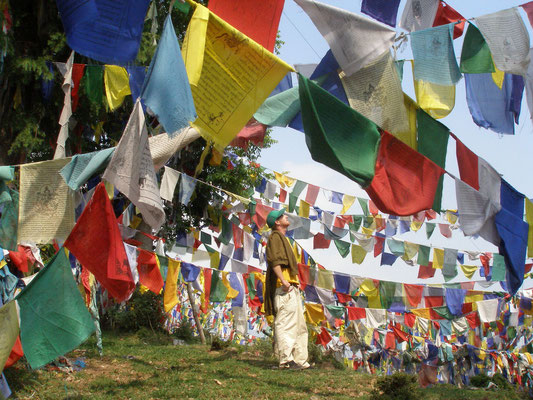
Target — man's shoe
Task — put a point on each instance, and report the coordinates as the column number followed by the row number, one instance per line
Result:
column 296, row 367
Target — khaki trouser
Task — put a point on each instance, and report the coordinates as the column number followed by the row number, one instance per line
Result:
column 290, row 329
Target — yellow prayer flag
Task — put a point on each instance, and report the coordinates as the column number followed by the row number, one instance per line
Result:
column 279, row 178
column 117, row 85
column 472, row 298
column 230, row 75
column 358, row 254
column 232, row 293
column 368, row 288
column 170, row 295
column 304, row 209
column 529, row 219
column 451, row 216
column 314, row 313
column 214, row 259
column 469, row 270
column 416, row 225
column 325, row 279
column 437, row 100
column 438, row 258
column 422, row 312
column 498, row 77
column 410, row 250
column 409, row 136
column 347, row 202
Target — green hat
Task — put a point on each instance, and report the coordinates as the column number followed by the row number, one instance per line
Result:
column 273, row 217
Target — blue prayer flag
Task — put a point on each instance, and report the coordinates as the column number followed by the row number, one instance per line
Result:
column 383, row 10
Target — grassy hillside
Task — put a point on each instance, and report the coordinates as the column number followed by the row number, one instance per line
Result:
column 148, row 366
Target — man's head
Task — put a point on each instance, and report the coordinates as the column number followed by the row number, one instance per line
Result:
column 277, row 219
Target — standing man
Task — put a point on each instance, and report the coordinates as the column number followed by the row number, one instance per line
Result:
column 282, row 296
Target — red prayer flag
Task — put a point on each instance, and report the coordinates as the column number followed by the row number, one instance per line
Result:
column 253, row 132
column 257, row 19
column 149, row 273
column 434, row 301
column 378, row 245
column 468, row 164
column 97, row 244
column 77, row 74
column 16, row 353
column 208, row 272
column 414, row 294
column 282, row 195
column 343, row 298
column 237, row 236
column 320, row 241
column 323, row 338
column 473, row 320
column 19, row 259
column 372, row 208
column 401, row 336
column 303, row 275
column 390, row 340
column 426, row 271
column 446, row 15
column 356, row 313
column 261, row 213
column 409, row 319
column 528, row 8
column 405, row 181
column 445, row 230
column 312, row 193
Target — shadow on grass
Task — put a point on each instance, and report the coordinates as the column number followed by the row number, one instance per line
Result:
column 111, row 387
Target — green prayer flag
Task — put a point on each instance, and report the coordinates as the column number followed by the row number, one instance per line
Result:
column 53, row 316
column 364, row 206
column 205, row 238
column 357, row 220
column 343, row 247
column 280, row 109
column 433, row 143
column 227, row 232
column 298, row 188
column 475, row 56
column 7, row 173
column 498, row 268
column 396, row 247
column 358, row 254
column 336, row 311
column 218, row 290
column 250, row 282
column 93, row 83
column 368, row 221
column 449, row 271
column 423, row 255
column 292, row 202
column 399, row 68
column 163, row 266
column 338, row 136
column 182, row 7
column 444, row 312
column 386, row 291
column 430, row 227
column 9, row 198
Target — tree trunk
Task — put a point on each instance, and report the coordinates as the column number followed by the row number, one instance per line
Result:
column 195, row 313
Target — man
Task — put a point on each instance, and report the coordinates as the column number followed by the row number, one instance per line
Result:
column 282, row 296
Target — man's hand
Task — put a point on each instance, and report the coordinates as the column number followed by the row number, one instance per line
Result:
column 287, row 287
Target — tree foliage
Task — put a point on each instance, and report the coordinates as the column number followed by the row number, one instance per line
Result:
column 29, row 122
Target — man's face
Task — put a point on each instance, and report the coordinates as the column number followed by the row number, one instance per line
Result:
column 283, row 221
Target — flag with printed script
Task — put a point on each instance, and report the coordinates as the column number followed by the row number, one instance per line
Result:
column 132, row 172
column 166, row 90
column 419, row 14
column 53, row 316
column 105, row 30
column 336, row 135
column 230, row 75
column 97, row 244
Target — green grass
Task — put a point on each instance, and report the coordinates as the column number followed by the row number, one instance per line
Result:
column 141, row 366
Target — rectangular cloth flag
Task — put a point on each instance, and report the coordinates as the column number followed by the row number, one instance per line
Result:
column 447, row 15
column 46, row 206
column 53, row 316
column 419, row 14
column 508, row 40
column 257, row 19
column 166, row 90
column 433, row 143
column 132, row 172
column 489, row 105
column 384, row 11
column 105, row 30
column 9, row 201
column 405, row 181
column 9, row 330
column 338, row 136
column 117, row 85
column 83, row 166
column 437, row 100
column 97, row 244
column 375, row 91
column 475, row 54
column 434, row 56
column 355, row 40
column 66, row 112
column 230, row 75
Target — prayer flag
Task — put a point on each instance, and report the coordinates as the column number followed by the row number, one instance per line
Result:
column 405, row 181
column 529, row 219
column 97, row 228
column 257, row 19
column 149, row 272
column 433, row 143
column 93, row 83
column 166, row 90
column 46, row 207
column 132, row 172
column 383, row 10
column 434, row 56
column 170, row 296
column 508, row 39
column 9, row 330
column 437, row 100
column 168, row 183
column 375, row 91
column 475, row 55
column 226, row 90
column 53, row 316
column 105, row 30
column 446, row 15
column 355, row 40
column 83, row 166
column 338, row 136
column 419, row 14
column 117, row 85
column 489, row 105
column 9, row 200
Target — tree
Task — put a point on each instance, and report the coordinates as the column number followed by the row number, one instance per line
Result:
column 29, row 118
